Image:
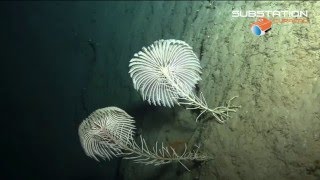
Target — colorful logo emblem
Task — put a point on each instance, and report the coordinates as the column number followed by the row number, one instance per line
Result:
column 260, row 27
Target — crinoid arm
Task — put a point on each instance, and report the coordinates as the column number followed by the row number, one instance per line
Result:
column 221, row 113
column 192, row 101
column 160, row 154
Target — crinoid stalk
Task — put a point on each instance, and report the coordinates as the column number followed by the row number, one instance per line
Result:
column 109, row 132
column 166, row 73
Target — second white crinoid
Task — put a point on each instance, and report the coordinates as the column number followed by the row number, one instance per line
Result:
column 109, row 132
column 166, row 73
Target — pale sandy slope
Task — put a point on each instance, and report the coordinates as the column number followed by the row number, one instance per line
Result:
column 276, row 133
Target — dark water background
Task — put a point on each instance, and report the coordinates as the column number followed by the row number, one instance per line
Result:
column 47, row 57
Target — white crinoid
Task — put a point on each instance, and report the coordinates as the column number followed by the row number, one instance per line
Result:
column 104, row 131
column 165, row 62
column 167, row 72
column 109, row 132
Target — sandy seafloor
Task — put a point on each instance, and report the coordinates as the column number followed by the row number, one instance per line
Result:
column 276, row 133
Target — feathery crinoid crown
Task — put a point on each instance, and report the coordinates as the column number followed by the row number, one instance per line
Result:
column 166, row 72
column 104, row 131
column 108, row 132
column 155, row 68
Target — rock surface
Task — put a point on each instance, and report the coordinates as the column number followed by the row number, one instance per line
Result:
column 276, row 133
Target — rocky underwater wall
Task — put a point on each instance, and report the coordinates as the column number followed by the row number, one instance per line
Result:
column 275, row 134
